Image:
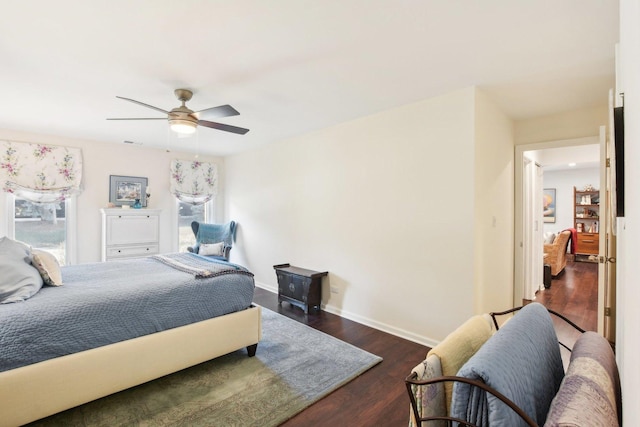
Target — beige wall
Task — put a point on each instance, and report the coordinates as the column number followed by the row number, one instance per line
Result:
column 569, row 125
column 386, row 204
column 103, row 159
column 494, row 201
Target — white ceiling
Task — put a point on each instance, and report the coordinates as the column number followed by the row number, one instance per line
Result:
column 580, row 157
column 291, row 66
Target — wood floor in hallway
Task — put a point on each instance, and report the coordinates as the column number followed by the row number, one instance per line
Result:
column 574, row 294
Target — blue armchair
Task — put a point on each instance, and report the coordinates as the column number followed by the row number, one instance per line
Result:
column 211, row 234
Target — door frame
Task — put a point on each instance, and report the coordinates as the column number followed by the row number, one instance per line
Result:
column 519, row 255
column 532, row 232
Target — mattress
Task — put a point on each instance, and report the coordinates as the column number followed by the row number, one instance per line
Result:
column 104, row 303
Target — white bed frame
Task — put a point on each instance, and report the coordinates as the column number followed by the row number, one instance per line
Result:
column 42, row 389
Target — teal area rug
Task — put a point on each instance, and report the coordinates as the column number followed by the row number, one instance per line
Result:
column 295, row 366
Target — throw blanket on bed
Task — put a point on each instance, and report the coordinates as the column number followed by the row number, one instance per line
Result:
column 522, row 361
column 200, row 268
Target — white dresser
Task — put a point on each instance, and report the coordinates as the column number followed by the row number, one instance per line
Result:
column 130, row 233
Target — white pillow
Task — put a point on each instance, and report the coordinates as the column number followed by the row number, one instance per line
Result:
column 216, row 249
column 48, row 266
column 549, row 238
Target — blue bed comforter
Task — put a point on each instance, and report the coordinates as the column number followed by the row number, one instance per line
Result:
column 104, row 303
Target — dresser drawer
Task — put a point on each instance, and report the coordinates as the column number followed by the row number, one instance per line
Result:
column 131, row 229
column 588, row 243
column 132, row 251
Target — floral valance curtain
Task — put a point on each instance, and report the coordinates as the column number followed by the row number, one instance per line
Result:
column 40, row 173
column 194, row 182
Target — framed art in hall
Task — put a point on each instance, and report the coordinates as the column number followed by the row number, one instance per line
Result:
column 124, row 190
column 549, row 204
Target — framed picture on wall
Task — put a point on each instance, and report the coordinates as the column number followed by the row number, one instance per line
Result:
column 124, row 190
column 549, row 204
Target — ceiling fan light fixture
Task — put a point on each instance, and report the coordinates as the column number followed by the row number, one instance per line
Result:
column 184, row 122
column 184, row 127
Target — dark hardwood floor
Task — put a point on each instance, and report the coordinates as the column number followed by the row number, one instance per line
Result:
column 574, row 294
column 376, row 398
column 379, row 397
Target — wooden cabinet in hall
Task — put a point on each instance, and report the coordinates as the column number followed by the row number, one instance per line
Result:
column 586, row 216
column 130, row 233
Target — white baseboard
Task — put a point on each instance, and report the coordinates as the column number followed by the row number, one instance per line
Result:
column 420, row 339
column 271, row 288
column 426, row 341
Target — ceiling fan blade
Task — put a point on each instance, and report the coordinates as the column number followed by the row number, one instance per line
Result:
column 220, row 126
column 143, row 104
column 216, row 112
column 141, row 118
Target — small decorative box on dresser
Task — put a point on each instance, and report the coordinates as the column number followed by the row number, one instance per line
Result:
column 130, row 233
column 299, row 286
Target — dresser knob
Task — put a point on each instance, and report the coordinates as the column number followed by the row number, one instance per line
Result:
column 292, row 287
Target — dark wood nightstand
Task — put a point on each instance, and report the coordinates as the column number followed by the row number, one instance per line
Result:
column 299, row 286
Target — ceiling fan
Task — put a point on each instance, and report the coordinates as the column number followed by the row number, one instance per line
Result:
column 183, row 120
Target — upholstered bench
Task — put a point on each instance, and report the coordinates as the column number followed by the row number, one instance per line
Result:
column 515, row 376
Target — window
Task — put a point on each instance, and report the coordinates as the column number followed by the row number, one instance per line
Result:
column 43, row 226
column 188, row 213
column 35, row 179
column 195, row 185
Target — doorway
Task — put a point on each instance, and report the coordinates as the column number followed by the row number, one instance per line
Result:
column 565, row 164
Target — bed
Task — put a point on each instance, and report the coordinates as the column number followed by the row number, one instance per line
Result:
column 117, row 325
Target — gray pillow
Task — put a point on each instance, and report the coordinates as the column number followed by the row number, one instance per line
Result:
column 19, row 280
